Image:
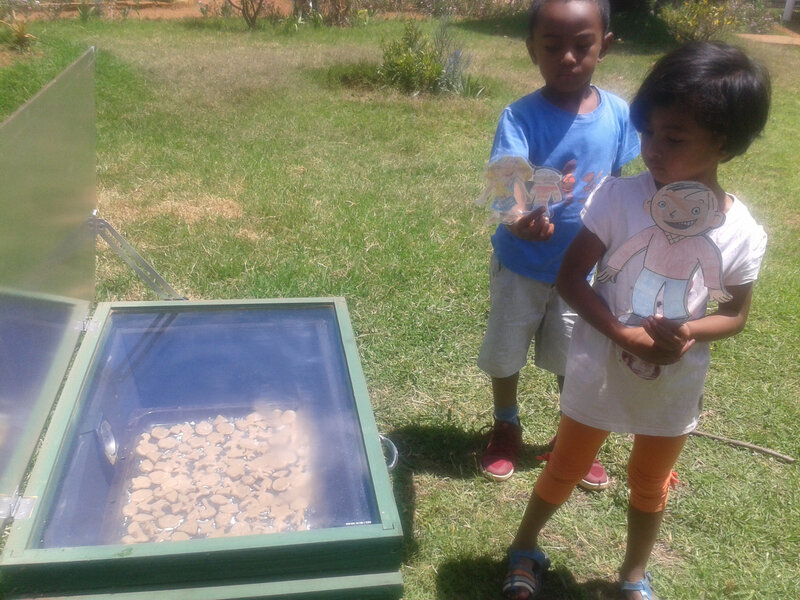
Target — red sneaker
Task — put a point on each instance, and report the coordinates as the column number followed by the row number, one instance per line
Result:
column 596, row 479
column 501, row 452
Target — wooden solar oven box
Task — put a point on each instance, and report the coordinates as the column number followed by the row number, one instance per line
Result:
column 197, row 449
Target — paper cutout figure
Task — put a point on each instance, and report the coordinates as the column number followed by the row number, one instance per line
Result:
column 505, row 192
column 675, row 248
column 514, row 188
column 546, row 188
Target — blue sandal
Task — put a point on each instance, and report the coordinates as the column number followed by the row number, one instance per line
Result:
column 524, row 582
column 642, row 586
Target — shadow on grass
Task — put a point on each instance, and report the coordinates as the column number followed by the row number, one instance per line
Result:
column 447, row 451
column 443, row 451
column 512, row 25
column 456, row 580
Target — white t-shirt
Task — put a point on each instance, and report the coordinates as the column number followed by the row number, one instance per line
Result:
column 602, row 388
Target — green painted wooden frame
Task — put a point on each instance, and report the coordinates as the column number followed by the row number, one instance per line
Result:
column 374, row 586
column 341, row 551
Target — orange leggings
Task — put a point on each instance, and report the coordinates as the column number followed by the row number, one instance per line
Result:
column 649, row 467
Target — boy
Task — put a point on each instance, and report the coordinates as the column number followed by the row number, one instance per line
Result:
column 584, row 133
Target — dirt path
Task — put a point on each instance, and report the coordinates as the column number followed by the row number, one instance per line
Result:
column 782, row 36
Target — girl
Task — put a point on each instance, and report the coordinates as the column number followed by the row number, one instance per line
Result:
column 701, row 105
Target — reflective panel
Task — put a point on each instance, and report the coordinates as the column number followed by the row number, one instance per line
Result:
column 200, row 422
column 46, row 257
column 37, row 335
column 47, row 175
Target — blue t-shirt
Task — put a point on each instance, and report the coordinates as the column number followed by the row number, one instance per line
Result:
column 585, row 148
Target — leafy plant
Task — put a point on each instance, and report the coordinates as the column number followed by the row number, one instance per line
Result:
column 84, row 12
column 417, row 63
column 411, row 63
column 454, row 77
column 19, row 38
column 362, row 17
column 316, row 18
column 292, row 23
column 695, row 20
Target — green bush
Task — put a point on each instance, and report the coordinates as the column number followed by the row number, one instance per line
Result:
column 417, row 63
column 695, row 20
column 410, row 63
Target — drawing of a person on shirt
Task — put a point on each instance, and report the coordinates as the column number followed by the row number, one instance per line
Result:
column 675, row 247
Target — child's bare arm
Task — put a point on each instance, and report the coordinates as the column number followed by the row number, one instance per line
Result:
column 729, row 318
column 581, row 256
column 584, row 252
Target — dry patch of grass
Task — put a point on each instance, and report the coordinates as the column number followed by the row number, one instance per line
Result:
column 202, row 207
column 128, row 209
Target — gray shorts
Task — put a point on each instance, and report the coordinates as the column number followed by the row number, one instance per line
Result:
column 524, row 310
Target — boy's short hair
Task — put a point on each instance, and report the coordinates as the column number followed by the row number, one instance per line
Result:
column 725, row 91
column 602, row 5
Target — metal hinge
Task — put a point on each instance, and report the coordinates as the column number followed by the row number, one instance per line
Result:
column 86, row 325
column 16, row 507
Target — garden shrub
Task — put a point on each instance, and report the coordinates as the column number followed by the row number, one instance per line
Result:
column 417, row 63
column 14, row 32
column 455, row 63
column 410, row 63
column 695, row 20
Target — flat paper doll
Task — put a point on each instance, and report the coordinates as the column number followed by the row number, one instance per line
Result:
column 514, row 188
column 675, row 247
column 546, row 189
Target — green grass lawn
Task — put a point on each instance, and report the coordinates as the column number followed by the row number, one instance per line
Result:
column 234, row 165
